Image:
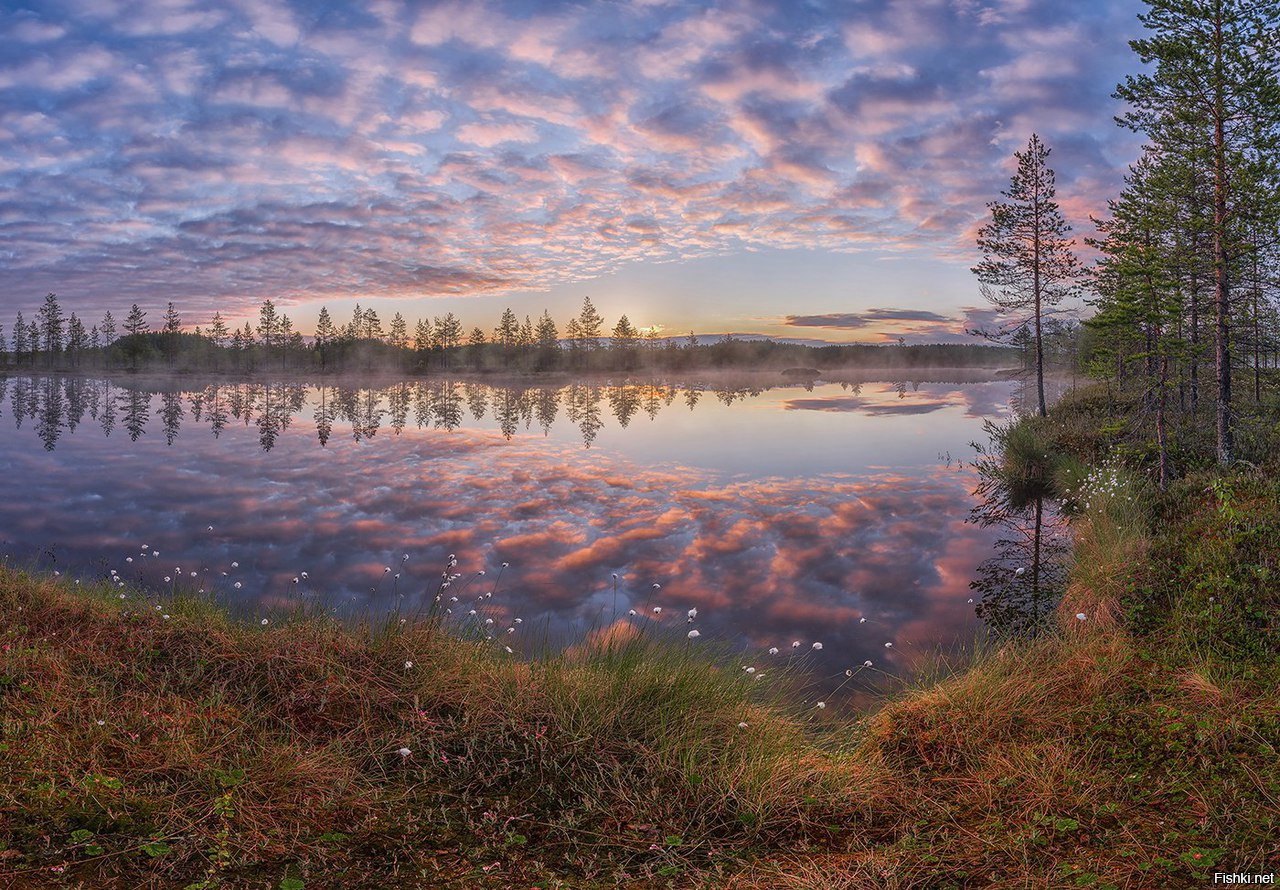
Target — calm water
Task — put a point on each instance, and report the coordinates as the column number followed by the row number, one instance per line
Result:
column 782, row 513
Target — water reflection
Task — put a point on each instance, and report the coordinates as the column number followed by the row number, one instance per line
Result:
column 58, row 404
column 778, row 516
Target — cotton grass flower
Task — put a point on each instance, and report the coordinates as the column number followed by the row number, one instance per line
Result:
column 693, row 634
column 862, row 621
column 1020, row 571
column 742, row 726
column 408, row 665
column 237, row 585
column 1081, row 616
column 822, row 705
column 404, row 752
column 657, row 610
column 773, row 650
column 817, row 646
column 867, row 663
column 693, row 613
column 888, row 645
column 795, row 644
column 265, row 622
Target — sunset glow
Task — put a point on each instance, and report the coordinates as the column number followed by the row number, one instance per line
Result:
column 813, row 172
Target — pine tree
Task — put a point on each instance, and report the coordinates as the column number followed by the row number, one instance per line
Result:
column 1028, row 262
column 19, row 338
column 589, row 325
column 218, row 331
column 108, row 329
column 548, row 339
column 372, row 325
column 135, row 323
column 51, row 321
column 398, row 337
column 326, row 336
column 1214, row 62
column 77, row 339
column 172, row 328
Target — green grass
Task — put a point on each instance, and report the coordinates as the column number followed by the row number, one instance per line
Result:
column 1134, row 748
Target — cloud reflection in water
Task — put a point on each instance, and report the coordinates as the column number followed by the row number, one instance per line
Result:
column 789, row 550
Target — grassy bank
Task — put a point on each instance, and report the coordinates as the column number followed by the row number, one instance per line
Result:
column 1136, row 747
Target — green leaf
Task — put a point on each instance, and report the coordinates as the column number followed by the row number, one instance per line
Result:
column 292, row 884
column 156, row 849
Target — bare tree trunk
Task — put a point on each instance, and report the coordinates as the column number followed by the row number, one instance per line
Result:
column 1221, row 296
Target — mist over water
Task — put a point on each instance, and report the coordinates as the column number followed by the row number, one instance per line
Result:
column 782, row 513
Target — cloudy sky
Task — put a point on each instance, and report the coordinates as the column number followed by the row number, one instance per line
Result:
column 809, row 169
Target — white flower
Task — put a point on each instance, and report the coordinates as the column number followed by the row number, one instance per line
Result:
column 631, row 612
column 693, row 634
column 145, row 546
column 970, row 599
column 488, row 621
column 404, row 752
column 656, row 586
column 1081, row 615
column 1020, row 571
column 508, row 648
column 888, row 645
column 406, row 557
column 295, row 579
column 795, row 644
column 773, row 650
column 237, row 585
column 165, row 617
column 386, row 570
column 472, row 612
column 511, row 630
column 167, row 579
column 657, row 610
column 821, row 705
column 862, row 621
column 867, row 663
column 693, row 613
column 128, row 559
column 408, row 665
column 265, row 622
column 848, row 672
column 517, row 621
column 742, row 726
column 102, row 723
column 193, row 574
column 817, row 645
column 504, row 565
column 749, row 670
column 235, row 565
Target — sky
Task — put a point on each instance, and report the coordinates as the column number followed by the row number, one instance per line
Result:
column 814, row 170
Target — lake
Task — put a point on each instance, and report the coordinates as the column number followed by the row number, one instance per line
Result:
column 832, row 513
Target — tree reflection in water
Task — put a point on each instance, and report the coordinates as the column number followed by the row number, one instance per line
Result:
column 57, row 405
column 1020, row 584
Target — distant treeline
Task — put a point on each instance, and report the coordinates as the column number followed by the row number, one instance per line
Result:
column 51, row 340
